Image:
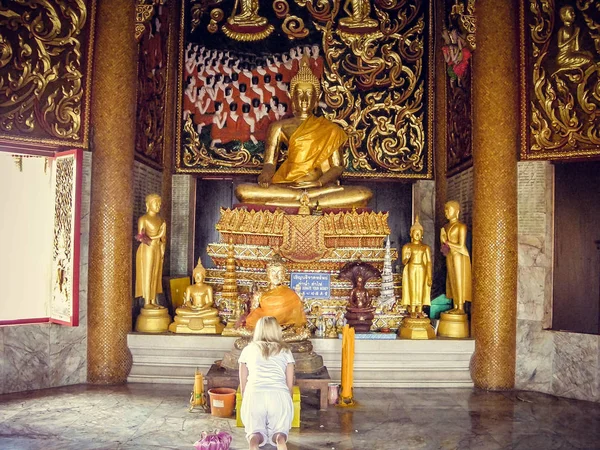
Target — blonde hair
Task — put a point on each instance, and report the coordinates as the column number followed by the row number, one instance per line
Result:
column 268, row 337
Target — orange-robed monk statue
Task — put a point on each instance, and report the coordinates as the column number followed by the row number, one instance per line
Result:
column 278, row 301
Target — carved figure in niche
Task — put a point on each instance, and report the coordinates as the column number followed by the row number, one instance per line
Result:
column 569, row 56
column 416, row 276
column 152, row 235
column 359, row 12
column 245, row 12
column 456, row 54
column 314, row 162
column 359, row 312
column 453, row 237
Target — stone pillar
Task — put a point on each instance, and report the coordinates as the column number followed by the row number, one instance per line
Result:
column 495, row 146
column 113, row 140
column 440, row 144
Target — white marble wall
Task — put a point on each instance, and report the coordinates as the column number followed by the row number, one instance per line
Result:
column 424, row 206
column 556, row 362
column 182, row 221
column 46, row 355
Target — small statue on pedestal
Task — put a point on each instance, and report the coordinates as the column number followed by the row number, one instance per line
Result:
column 152, row 235
column 359, row 312
column 198, row 314
column 453, row 236
column 416, row 286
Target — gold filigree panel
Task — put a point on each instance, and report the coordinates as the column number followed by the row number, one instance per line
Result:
column 377, row 81
column 560, row 71
column 152, row 86
column 45, row 67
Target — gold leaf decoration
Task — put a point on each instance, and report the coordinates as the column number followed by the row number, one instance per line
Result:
column 45, row 57
column 293, row 27
column 562, row 80
column 281, row 8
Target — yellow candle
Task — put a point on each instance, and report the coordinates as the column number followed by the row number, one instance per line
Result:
column 198, row 387
column 347, row 361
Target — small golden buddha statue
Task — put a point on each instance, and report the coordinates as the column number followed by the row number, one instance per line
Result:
column 197, row 314
column 453, row 236
column 569, row 55
column 152, row 235
column 416, row 286
column 314, row 162
column 359, row 12
column 416, row 276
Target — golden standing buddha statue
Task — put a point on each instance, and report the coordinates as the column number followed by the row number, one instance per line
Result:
column 198, row 314
column 314, row 162
column 453, row 237
column 416, row 286
column 152, row 235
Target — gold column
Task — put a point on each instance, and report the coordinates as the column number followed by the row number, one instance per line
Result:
column 441, row 183
column 495, row 146
column 113, row 120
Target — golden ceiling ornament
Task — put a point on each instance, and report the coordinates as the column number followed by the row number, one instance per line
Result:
column 199, row 7
column 563, row 80
column 281, row 8
column 44, row 62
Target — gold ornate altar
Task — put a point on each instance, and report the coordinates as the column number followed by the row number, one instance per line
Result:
column 321, row 242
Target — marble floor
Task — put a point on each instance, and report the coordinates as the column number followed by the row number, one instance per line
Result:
column 144, row 416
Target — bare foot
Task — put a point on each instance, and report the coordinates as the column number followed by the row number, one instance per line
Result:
column 255, row 441
column 281, row 445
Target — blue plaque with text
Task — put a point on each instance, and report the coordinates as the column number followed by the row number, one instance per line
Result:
column 312, row 285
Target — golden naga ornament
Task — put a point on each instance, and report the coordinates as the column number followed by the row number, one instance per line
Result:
column 245, row 24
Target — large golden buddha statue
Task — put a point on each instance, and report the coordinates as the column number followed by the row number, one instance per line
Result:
column 314, row 162
column 197, row 314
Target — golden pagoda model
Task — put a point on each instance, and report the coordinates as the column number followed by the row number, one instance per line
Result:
column 229, row 294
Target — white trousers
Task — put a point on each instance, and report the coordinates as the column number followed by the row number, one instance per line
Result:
column 267, row 413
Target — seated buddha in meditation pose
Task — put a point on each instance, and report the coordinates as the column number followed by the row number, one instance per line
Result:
column 197, row 314
column 278, row 301
column 314, row 161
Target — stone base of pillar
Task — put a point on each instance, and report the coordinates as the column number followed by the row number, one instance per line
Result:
column 413, row 328
column 453, row 325
column 153, row 320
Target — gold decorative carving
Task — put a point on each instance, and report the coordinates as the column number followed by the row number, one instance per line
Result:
column 246, row 24
column 376, row 82
column 216, row 15
column 45, row 64
column 293, row 27
column 143, row 14
column 281, row 8
column 152, row 87
column 199, row 7
column 562, row 81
